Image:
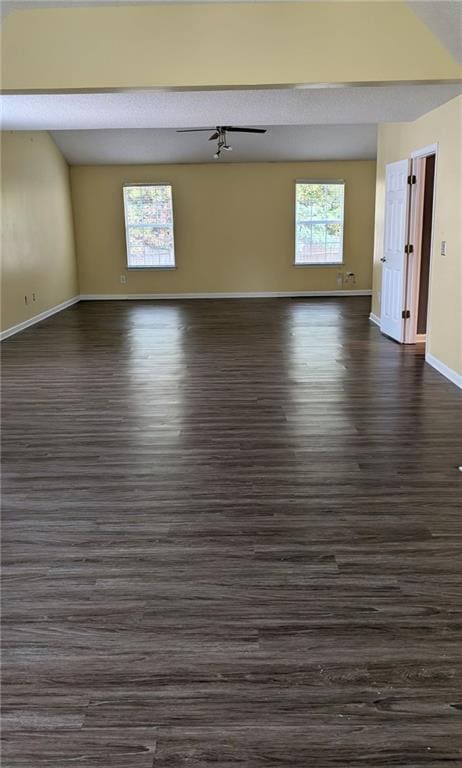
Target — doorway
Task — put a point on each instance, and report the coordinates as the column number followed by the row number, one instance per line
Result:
column 425, row 248
column 408, row 244
column 419, row 257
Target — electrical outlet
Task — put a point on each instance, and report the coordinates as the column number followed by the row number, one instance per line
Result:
column 339, row 278
column 34, row 297
column 350, row 278
column 123, row 279
column 443, row 247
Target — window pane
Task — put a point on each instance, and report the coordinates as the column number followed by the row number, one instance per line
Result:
column 149, row 225
column 319, row 222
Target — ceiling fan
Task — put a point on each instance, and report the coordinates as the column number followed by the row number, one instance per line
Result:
column 219, row 135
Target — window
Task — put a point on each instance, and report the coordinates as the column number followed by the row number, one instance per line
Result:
column 149, row 226
column 319, row 222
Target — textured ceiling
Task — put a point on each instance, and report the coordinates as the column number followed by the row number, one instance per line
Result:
column 202, row 108
column 161, row 145
column 138, row 127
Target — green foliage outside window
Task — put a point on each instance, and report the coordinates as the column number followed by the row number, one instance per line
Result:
column 149, row 225
column 319, row 222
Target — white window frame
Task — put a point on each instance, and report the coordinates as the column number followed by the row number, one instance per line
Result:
column 319, row 265
column 148, row 184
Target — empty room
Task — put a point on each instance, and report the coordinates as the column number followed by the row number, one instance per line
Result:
column 231, row 372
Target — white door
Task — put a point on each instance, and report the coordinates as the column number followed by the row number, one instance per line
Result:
column 395, row 240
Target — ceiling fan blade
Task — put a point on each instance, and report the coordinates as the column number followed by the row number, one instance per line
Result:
column 244, row 130
column 214, row 136
column 194, row 130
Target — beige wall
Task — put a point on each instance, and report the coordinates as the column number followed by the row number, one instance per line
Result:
column 224, row 44
column 37, row 245
column 234, row 227
column 396, row 141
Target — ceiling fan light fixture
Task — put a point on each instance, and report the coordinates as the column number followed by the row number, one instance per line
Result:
column 219, row 135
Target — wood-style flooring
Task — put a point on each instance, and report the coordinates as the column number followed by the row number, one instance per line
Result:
column 232, row 537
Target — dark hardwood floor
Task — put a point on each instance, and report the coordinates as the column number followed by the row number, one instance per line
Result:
column 232, row 537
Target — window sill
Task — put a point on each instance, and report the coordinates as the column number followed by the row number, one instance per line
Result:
column 137, row 269
column 320, row 266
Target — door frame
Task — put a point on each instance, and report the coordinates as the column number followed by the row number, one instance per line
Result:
column 415, row 237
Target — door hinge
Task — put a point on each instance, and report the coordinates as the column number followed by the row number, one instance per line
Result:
column 405, row 314
column 409, row 248
column 412, row 179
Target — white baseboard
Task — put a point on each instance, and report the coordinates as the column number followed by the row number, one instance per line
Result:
column 170, row 296
column 250, row 295
column 38, row 318
column 453, row 376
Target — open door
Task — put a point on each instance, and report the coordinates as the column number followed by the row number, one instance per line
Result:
column 420, row 234
column 394, row 257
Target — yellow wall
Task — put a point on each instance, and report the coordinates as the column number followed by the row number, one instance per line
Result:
column 234, row 227
column 219, row 44
column 396, row 141
column 37, row 229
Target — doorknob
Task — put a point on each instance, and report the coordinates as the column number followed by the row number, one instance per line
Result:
column 383, row 258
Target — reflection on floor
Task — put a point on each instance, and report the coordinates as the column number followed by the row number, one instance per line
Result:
column 232, row 537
